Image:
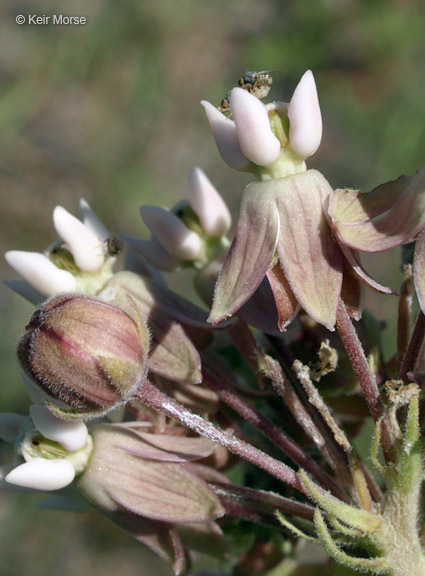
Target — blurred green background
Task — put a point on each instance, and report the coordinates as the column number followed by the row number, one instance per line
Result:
column 109, row 111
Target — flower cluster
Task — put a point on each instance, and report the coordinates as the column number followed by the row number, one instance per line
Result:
column 142, row 400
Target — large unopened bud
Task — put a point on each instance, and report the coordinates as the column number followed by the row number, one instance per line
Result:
column 87, row 354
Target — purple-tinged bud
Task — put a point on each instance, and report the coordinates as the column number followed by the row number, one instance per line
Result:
column 84, row 353
column 305, row 129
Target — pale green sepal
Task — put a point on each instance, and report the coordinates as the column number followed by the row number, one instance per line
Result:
column 365, row 565
column 294, row 529
column 354, row 517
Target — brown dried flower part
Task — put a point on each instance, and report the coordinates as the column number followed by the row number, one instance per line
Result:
column 84, row 354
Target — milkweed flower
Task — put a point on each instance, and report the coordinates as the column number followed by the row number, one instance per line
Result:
column 49, row 451
column 293, row 227
column 192, row 233
column 80, row 260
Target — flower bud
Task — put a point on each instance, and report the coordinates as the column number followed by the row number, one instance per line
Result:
column 84, row 353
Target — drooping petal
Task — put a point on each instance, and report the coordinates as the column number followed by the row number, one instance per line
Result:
column 311, row 260
column 72, row 435
column 86, row 248
column 132, row 438
column 42, row 474
column 353, row 258
column 40, row 272
column 419, row 269
column 388, row 216
column 285, row 300
column 226, row 138
column 256, row 139
column 10, row 424
column 92, row 221
column 116, row 480
column 305, row 128
column 250, row 254
column 171, row 233
column 208, row 204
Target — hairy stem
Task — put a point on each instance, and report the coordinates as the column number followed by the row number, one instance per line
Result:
column 269, row 429
column 367, row 380
column 161, row 402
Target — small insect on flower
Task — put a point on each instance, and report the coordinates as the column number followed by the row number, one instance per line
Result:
column 114, row 245
column 256, row 83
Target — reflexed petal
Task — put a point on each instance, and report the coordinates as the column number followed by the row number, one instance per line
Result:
column 92, row 221
column 116, row 480
column 226, row 138
column 10, row 424
column 311, row 260
column 40, row 272
column 419, row 270
column 132, row 438
column 251, row 252
column 171, row 233
column 286, row 303
column 390, row 215
column 208, row 204
column 86, row 248
column 42, row 474
column 305, row 128
column 72, row 435
column 354, row 261
column 256, row 139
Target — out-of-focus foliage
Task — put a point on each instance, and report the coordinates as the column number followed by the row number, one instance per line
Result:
column 110, row 111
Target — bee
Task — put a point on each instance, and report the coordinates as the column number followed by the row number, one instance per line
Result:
column 113, row 245
column 256, row 83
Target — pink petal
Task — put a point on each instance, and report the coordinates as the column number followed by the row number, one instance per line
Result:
column 256, row 139
column 251, row 252
column 311, row 260
column 389, row 216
